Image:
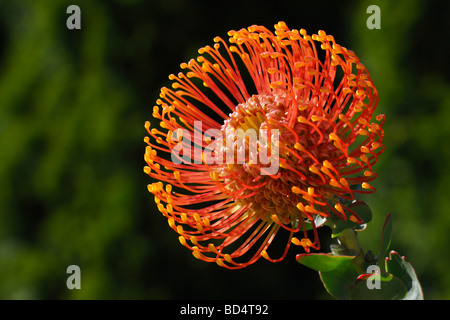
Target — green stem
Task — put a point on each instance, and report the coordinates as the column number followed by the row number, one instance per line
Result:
column 349, row 239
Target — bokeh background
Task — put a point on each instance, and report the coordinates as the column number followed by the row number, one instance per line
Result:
column 72, row 109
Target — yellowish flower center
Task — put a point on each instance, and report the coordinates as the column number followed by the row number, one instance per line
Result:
column 260, row 181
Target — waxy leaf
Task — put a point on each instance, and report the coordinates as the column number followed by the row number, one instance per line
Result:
column 336, row 271
column 385, row 238
column 338, row 281
column 322, row 261
column 402, row 269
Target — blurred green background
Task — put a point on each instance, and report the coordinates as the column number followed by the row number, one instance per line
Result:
column 72, row 109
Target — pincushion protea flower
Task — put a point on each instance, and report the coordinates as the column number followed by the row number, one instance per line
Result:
column 320, row 102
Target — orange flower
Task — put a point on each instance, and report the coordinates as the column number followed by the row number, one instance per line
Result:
column 318, row 102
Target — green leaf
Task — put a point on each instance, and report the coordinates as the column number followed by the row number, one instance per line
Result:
column 358, row 207
column 336, row 272
column 389, row 288
column 402, row 269
column 338, row 281
column 385, row 238
column 362, row 210
column 322, row 261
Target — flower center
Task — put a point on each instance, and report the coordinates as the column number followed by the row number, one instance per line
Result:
column 259, row 178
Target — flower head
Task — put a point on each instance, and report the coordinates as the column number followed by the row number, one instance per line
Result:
column 310, row 108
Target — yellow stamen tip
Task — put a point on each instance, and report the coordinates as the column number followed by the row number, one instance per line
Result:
column 193, row 239
column 220, row 262
column 206, row 222
column 333, row 136
column 197, row 253
column 315, row 118
column 301, row 207
column 306, row 243
column 339, row 208
column 182, row 240
column 295, row 241
column 299, row 147
column 212, row 247
column 296, row 190
column 343, row 182
column 302, row 119
column 364, row 158
column 275, row 219
column 364, row 149
column 365, row 185
column 327, row 164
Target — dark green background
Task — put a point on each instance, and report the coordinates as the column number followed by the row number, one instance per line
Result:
column 72, row 109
